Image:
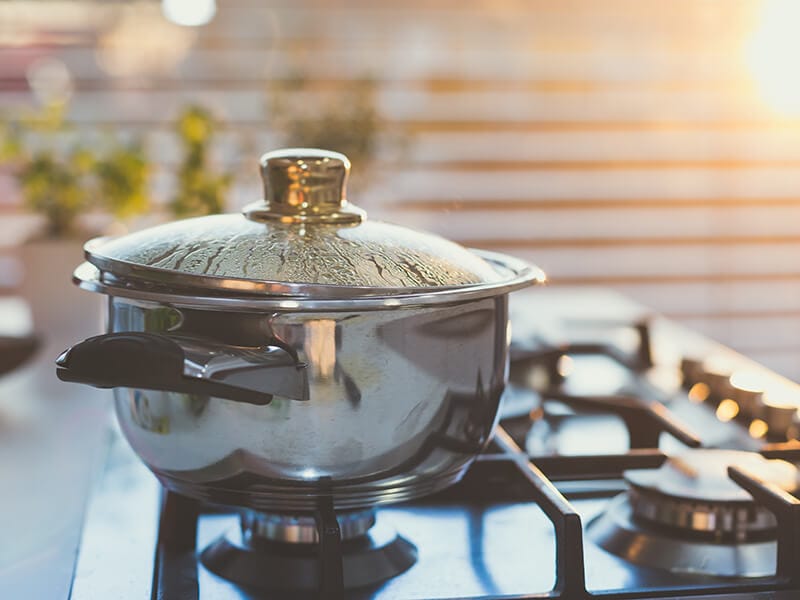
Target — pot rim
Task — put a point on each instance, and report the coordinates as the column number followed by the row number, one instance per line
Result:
column 506, row 267
column 278, row 295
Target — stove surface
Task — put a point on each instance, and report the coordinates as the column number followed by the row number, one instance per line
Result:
column 577, row 414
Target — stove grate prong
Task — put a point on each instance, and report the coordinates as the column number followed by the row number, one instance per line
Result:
column 786, row 508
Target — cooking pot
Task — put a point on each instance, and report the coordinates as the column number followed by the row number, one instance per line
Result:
column 298, row 350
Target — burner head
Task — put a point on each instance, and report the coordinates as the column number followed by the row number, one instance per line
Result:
column 302, row 529
column 691, row 494
column 688, row 517
column 278, row 554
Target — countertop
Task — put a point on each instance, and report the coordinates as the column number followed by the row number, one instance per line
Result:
column 51, row 439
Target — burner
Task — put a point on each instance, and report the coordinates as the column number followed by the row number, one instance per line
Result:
column 688, row 516
column 302, row 529
column 281, row 553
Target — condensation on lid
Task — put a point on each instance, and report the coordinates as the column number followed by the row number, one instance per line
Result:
column 371, row 254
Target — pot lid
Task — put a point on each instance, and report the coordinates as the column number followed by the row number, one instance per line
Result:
column 302, row 235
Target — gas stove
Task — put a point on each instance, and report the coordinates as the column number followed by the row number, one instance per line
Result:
column 633, row 459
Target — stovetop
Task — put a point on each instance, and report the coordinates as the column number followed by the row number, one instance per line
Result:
column 597, row 386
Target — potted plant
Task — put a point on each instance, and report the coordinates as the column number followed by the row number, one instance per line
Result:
column 64, row 180
column 74, row 188
column 199, row 190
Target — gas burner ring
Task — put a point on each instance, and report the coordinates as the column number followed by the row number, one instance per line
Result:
column 734, row 521
column 616, row 531
column 302, row 528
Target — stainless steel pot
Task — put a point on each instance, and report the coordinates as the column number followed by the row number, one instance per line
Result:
column 300, row 350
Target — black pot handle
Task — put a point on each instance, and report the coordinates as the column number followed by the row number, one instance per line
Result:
column 173, row 363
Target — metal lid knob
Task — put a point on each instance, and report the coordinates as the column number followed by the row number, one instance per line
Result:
column 305, row 185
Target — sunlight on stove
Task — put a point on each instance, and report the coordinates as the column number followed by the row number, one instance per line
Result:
column 596, row 375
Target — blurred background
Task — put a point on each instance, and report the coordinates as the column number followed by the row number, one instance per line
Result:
column 650, row 147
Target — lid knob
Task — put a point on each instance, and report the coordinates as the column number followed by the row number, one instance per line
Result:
column 305, row 185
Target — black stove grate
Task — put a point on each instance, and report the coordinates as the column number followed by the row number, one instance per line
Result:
column 508, row 475
column 645, row 418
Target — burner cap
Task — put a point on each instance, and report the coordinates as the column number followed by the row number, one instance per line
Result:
column 302, row 529
column 692, row 492
column 702, row 474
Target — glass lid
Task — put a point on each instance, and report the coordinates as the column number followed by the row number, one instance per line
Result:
column 304, row 234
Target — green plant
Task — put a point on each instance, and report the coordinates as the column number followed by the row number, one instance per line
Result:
column 54, row 188
column 121, row 178
column 64, row 181
column 200, row 191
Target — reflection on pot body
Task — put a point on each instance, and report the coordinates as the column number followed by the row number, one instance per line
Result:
column 320, row 347
column 400, row 401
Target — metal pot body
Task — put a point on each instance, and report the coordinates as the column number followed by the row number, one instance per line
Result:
column 399, row 401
